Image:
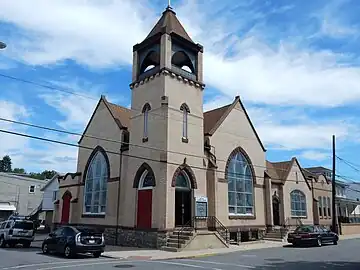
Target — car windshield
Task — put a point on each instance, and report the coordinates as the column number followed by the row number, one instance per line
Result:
column 307, row 229
column 25, row 225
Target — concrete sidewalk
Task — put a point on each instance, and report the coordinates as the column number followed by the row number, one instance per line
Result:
column 162, row 255
column 153, row 254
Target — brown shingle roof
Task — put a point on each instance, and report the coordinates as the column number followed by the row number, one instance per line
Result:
column 212, row 117
column 121, row 114
column 278, row 170
column 169, row 23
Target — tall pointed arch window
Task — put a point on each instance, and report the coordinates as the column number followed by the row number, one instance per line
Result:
column 240, row 185
column 95, row 190
column 146, row 109
column 185, row 112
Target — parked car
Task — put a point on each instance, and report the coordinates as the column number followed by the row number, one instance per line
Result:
column 17, row 231
column 312, row 234
column 71, row 240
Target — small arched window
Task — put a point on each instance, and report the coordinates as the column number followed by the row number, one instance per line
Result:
column 145, row 111
column 185, row 112
column 240, row 185
column 96, row 184
column 298, row 204
column 147, row 180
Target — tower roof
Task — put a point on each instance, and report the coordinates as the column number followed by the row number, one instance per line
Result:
column 169, row 23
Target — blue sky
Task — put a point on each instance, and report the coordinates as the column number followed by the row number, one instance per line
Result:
column 295, row 65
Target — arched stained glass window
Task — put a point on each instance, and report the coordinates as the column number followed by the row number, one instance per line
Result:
column 240, row 186
column 96, row 185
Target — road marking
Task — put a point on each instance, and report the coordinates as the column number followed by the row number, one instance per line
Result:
column 184, row 264
column 85, row 264
column 220, row 263
column 53, row 263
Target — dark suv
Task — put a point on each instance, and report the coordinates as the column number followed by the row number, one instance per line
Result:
column 70, row 240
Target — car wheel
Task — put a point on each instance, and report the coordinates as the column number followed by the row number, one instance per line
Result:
column 2, row 242
column 45, row 248
column 68, row 252
column 318, row 243
column 96, row 254
column 335, row 242
column 12, row 245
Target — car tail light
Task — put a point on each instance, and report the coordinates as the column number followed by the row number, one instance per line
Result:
column 78, row 239
column 10, row 231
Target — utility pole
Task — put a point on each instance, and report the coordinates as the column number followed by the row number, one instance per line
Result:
column 334, row 228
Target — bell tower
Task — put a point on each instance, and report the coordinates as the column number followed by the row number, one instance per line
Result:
column 167, row 107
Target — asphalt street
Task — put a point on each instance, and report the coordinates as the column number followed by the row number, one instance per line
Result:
column 344, row 256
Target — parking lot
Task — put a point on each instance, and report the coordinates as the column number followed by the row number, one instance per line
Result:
column 344, row 256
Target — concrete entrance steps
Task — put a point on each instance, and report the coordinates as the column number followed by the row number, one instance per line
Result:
column 276, row 234
column 178, row 239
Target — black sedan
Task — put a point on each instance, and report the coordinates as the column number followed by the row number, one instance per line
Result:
column 70, row 240
column 313, row 235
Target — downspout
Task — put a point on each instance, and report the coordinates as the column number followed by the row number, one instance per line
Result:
column 118, row 199
column 124, row 147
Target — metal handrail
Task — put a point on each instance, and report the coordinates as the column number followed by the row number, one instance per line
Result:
column 190, row 224
column 223, row 231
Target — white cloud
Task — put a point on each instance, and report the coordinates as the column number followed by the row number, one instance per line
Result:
column 315, row 155
column 102, row 35
column 77, row 109
column 11, row 143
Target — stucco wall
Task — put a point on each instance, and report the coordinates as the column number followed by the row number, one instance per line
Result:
column 102, row 126
column 235, row 131
column 323, row 189
column 296, row 181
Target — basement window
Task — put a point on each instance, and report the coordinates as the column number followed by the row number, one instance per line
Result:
column 32, row 189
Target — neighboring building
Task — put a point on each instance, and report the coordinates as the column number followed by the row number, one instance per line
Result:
column 166, row 162
column 346, row 206
column 50, row 196
column 291, row 194
column 322, row 194
column 19, row 194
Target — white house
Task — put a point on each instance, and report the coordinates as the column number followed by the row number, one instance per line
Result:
column 19, row 194
column 50, row 195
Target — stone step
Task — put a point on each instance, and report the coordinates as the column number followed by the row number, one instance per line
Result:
column 175, row 240
column 170, row 249
column 276, row 234
column 175, row 245
column 273, row 239
column 184, row 233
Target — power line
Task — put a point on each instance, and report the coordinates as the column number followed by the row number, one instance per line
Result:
column 139, row 111
column 349, row 164
column 45, row 86
column 127, row 155
column 115, row 141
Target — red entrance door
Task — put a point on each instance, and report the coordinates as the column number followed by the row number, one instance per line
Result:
column 65, row 214
column 144, row 209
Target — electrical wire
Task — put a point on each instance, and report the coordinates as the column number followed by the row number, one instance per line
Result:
column 116, row 141
column 139, row 111
column 127, row 155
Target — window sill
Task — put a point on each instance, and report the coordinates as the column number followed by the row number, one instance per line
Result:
column 184, row 140
column 93, row 215
column 145, row 139
column 234, row 216
column 301, row 217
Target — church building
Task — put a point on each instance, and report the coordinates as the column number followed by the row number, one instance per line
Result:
column 167, row 166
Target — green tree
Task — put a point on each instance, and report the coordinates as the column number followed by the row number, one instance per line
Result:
column 19, row 170
column 48, row 174
column 5, row 164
